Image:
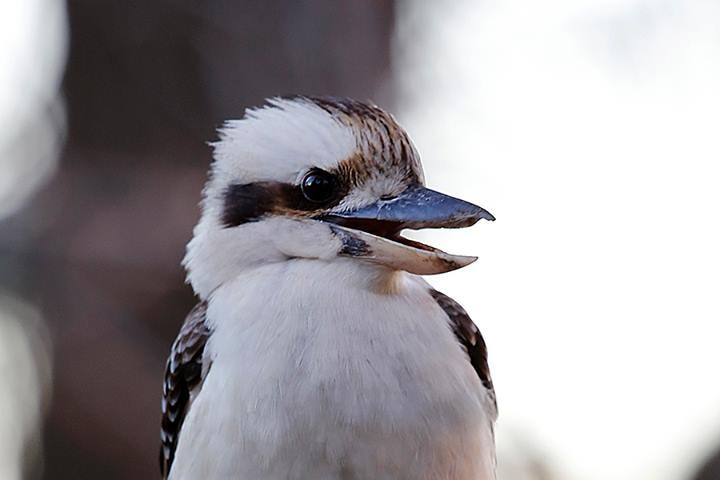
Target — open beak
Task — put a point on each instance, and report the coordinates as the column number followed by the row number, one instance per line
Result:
column 373, row 232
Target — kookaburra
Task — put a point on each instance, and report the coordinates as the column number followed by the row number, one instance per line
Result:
column 317, row 351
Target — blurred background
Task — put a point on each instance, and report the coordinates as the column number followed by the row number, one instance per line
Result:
column 590, row 128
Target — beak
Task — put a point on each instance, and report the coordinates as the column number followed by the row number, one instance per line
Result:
column 416, row 208
column 373, row 232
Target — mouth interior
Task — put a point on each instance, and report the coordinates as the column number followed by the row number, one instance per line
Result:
column 381, row 228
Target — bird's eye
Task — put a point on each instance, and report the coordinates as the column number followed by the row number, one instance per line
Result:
column 318, row 186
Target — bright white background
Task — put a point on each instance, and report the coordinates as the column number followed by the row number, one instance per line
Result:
column 591, row 129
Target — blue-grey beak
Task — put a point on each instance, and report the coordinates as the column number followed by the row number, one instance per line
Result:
column 416, row 208
column 372, row 233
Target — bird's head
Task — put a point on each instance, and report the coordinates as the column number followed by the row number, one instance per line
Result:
column 322, row 179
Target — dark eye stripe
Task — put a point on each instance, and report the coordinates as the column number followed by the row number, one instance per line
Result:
column 251, row 202
column 248, row 202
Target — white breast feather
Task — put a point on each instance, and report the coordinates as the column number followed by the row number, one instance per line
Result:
column 317, row 375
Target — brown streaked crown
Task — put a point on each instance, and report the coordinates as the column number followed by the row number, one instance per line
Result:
column 384, row 147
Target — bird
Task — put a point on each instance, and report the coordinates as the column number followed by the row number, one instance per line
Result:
column 317, row 350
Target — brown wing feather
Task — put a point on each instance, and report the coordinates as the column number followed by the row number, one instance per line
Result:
column 469, row 337
column 183, row 378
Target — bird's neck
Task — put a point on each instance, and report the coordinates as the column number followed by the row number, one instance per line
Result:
column 319, row 278
column 279, row 313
